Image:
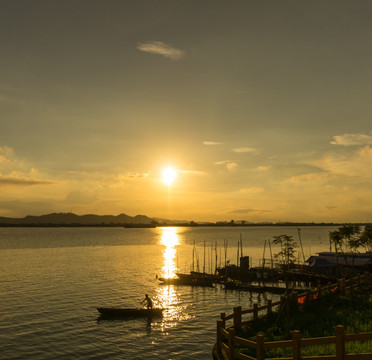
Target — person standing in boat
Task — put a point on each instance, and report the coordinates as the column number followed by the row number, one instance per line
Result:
column 149, row 302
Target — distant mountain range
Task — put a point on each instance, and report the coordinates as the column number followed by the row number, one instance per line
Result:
column 69, row 219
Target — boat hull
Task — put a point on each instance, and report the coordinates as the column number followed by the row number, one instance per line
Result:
column 129, row 313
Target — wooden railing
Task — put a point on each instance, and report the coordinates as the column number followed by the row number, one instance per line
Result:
column 227, row 340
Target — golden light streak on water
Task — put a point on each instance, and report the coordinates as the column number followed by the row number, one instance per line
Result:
column 168, row 297
column 170, row 239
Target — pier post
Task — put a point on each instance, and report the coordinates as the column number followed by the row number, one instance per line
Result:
column 237, row 316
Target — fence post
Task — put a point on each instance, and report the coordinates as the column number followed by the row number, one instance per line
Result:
column 340, row 342
column 343, row 286
column 255, row 311
column 237, row 316
column 308, row 296
column 232, row 343
column 219, row 327
column 260, row 350
column 269, row 306
column 296, row 335
column 223, row 315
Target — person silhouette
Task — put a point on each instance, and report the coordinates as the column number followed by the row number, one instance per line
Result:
column 148, row 300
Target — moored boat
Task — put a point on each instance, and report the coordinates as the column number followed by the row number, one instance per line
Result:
column 129, row 313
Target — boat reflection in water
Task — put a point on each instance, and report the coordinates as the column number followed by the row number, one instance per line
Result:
column 168, row 297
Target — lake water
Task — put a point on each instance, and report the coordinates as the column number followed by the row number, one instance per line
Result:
column 52, row 280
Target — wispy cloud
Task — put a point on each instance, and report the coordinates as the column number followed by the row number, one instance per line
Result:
column 262, row 168
column 358, row 164
column 352, row 139
column 248, row 211
column 230, row 165
column 161, row 48
column 133, row 175
column 211, row 143
column 6, row 180
column 245, row 150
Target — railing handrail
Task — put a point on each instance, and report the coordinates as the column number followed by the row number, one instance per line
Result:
column 297, row 342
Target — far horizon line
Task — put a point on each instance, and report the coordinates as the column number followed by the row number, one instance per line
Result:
column 167, row 222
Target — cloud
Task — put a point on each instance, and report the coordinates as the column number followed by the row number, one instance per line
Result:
column 262, row 168
column 352, row 139
column 230, row 165
column 211, row 143
column 248, row 211
column 358, row 164
column 133, row 175
column 161, row 48
column 245, row 150
column 6, row 180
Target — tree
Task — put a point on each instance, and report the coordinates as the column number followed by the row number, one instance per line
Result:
column 366, row 238
column 286, row 255
column 346, row 239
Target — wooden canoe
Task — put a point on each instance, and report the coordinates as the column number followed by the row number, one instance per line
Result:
column 129, row 313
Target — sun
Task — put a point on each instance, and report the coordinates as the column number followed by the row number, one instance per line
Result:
column 169, row 174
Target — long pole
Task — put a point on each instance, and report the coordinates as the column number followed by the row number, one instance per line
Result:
column 263, row 259
column 241, row 245
column 302, row 249
column 271, row 254
column 204, row 259
column 193, row 261
column 237, row 255
column 215, row 270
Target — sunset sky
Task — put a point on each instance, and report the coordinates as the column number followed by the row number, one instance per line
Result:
column 262, row 108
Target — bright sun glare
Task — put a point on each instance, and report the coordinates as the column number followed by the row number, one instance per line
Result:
column 169, row 175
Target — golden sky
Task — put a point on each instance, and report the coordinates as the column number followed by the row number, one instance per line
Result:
column 263, row 108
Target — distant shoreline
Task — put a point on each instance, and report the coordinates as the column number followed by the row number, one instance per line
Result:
column 146, row 226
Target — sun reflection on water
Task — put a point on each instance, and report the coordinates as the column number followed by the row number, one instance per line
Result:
column 168, row 296
column 169, row 238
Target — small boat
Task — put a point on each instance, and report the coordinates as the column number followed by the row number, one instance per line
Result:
column 129, row 313
column 188, row 279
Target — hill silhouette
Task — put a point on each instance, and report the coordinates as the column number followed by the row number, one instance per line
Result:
column 69, row 219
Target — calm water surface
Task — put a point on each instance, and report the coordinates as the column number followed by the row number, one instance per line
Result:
column 52, row 280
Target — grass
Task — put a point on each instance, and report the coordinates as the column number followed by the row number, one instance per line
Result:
column 316, row 319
